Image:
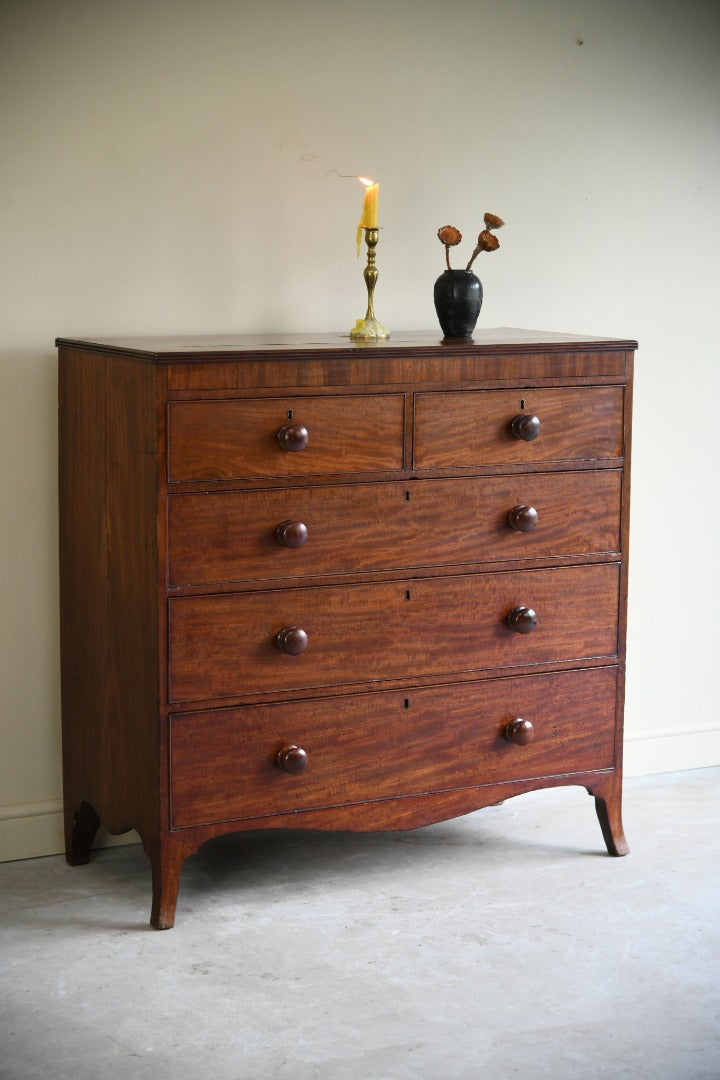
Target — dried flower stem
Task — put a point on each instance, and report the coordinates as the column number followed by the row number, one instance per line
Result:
column 473, row 257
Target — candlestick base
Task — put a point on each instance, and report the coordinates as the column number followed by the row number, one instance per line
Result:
column 368, row 330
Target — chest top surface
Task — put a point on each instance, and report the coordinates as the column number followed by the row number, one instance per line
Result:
column 192, row 348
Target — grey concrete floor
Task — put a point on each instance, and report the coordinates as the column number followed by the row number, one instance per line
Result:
column 505, row 944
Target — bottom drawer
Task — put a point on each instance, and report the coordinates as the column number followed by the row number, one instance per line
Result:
column 224, row 763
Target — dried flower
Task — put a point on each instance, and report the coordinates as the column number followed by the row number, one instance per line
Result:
column 488, row 242
column 485, row 242
column 492, row 221
column 451, row 237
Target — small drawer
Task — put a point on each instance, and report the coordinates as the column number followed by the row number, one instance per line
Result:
column 517, row 427
column 234, row 644
column 289, row 436
column 300, row 532
column 227, row 764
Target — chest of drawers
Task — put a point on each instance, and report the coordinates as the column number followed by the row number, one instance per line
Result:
column 310, row 583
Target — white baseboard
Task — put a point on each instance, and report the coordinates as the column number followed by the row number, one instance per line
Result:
column 33, row 829
column 671, row 751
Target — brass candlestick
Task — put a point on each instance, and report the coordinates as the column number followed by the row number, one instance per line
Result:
column 368, row 329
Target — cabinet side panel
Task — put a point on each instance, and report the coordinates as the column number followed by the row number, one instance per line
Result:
column 625, row 544
column 108, row 590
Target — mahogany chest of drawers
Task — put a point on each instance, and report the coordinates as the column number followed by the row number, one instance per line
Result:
column 310, row 583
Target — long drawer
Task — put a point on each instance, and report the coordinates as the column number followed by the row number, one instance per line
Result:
column 232, row 643
column 286, row 437
column 460, row 429
column 231, row 536
column 385, row 745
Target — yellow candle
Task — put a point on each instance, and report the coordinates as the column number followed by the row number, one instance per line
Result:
column 369, row 219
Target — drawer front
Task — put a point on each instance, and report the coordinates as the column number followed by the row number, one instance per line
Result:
column 241, row 438
column 226, row 645
column 230, row 536
column 386, row 745
column 469, row 428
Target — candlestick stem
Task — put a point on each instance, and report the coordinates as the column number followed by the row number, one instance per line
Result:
column 368, row 329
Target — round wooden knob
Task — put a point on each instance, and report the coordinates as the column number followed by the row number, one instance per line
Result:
column 521, row 732
column 523, row 518
column 292, row 640
column 293, row 437
column 292, row 759
column 525, row 426
column 291, row 534
column 522, row 620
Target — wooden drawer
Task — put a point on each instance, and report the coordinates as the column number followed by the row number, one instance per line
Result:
column 387, row 745
column 226, row 645
column 230, row 536
column 238, row 438
column 468, row 428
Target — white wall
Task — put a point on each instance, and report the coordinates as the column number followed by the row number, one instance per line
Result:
column 174, row 166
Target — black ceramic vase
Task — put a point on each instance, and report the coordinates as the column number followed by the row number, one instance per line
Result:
column 458, row 299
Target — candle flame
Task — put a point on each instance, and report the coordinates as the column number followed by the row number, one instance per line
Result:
column 365, row 181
